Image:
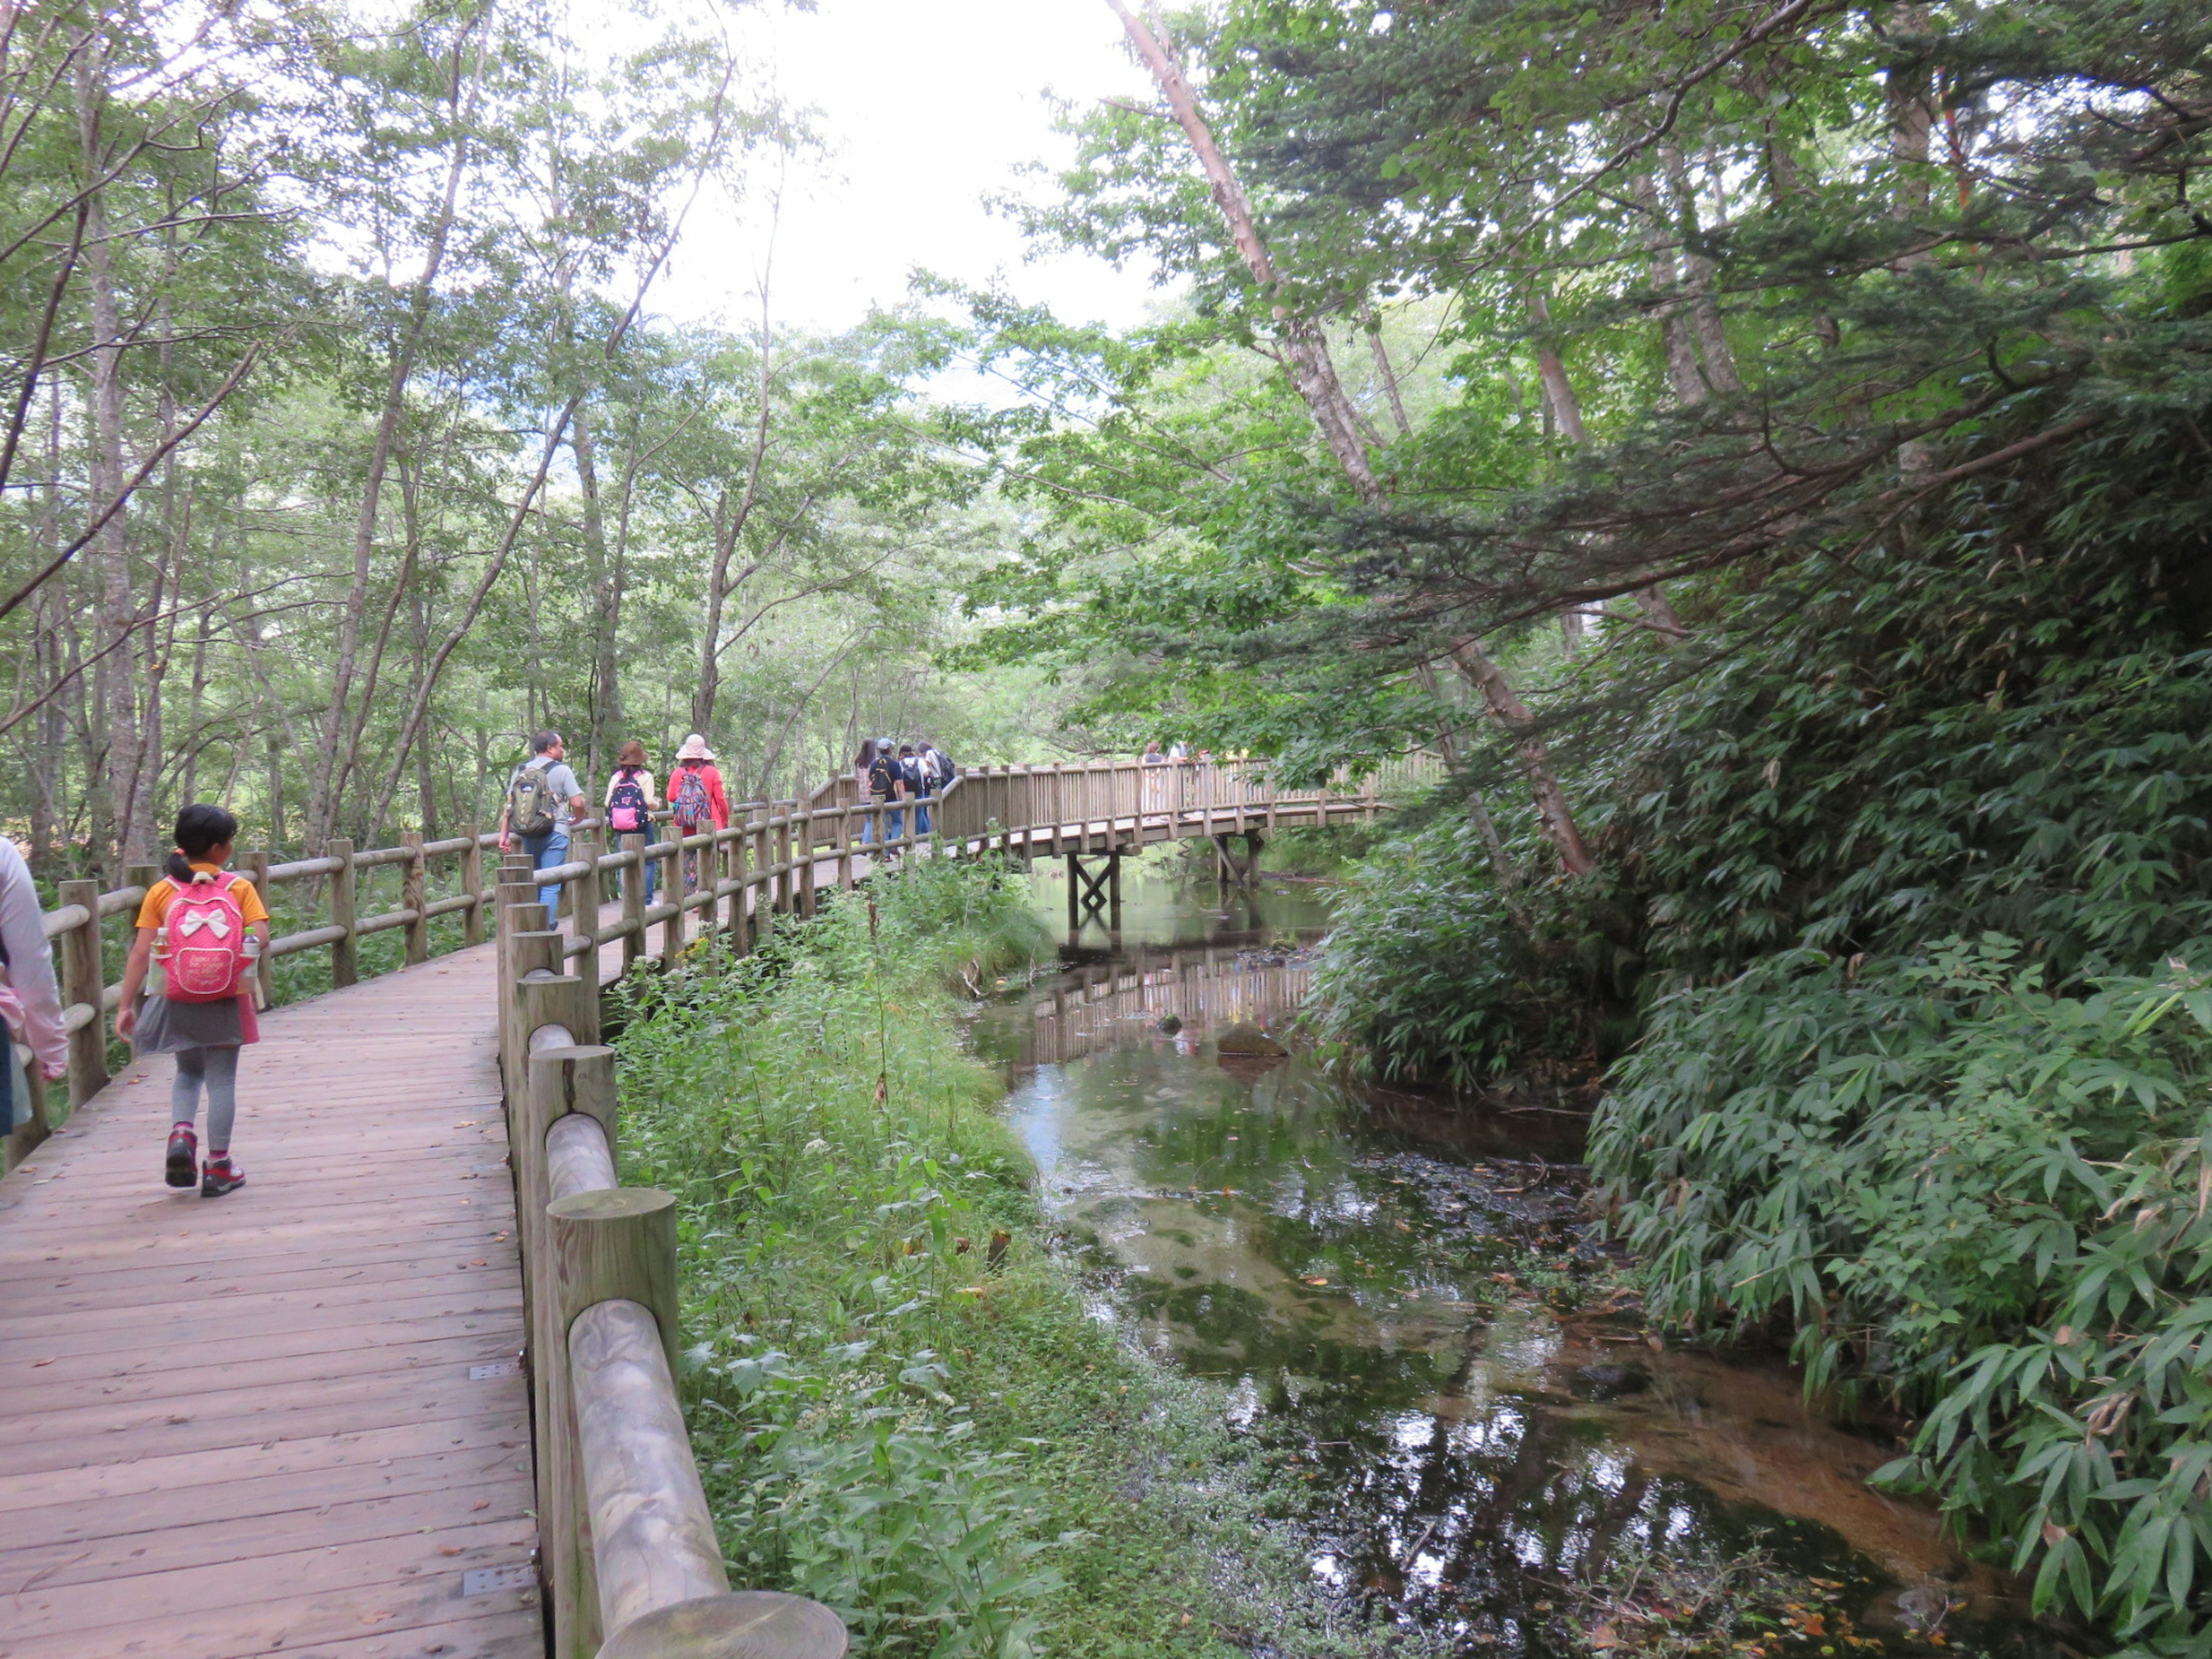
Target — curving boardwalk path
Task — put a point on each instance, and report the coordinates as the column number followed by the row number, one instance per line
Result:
column 289, row 1420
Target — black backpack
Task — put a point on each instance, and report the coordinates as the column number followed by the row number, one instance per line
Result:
column 879, row 776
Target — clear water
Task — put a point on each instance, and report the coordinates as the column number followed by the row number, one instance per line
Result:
column 1330, row 1255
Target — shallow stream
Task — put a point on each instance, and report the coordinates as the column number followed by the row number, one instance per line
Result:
column 1337, row 1258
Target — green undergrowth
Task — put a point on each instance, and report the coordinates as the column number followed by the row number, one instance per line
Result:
column 901, row 1400
column 1895, row 970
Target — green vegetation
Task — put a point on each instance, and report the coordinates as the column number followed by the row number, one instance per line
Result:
column 1761, row 453
column 901, row 1403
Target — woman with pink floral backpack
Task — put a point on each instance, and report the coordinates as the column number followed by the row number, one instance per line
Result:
column 207, row 929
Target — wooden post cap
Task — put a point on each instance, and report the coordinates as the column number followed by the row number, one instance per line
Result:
column 746, row 1624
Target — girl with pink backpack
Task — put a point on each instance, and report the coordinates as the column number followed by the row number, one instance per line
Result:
column 206, row 928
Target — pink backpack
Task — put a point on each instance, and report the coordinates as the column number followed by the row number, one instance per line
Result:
column 206, row 933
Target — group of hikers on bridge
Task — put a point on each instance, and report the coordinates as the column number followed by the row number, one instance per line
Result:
column 545, row 800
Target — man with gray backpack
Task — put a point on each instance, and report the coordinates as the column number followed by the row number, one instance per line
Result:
column 544, row 801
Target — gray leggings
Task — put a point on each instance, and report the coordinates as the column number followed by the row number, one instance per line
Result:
column 218, row 1067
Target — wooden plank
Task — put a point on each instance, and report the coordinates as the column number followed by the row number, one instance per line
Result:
column 249, row 1425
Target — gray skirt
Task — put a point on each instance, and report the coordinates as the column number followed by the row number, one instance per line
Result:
column 165, row 1026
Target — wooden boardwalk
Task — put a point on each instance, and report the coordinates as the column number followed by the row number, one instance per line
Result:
column 288, row 1420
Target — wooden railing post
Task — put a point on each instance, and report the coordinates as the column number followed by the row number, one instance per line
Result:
column 806, row 863
column 845, row 847
column 344, row 959
column 83, row 979
column 585, row 887
column 738, row 929
column 673, row 895
column 632, row 901
column 472, row 926
column 414, row 894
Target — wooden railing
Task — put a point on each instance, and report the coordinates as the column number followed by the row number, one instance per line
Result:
column 632, row 1567
column 770, row 861
column 83, row 961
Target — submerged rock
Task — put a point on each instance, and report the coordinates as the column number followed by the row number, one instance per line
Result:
column 1247, row 1041
column 1610, row 1382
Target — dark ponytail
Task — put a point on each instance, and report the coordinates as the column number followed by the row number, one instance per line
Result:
column 200, row 826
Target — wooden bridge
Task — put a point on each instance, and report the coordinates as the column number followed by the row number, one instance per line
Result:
column 410, row 1391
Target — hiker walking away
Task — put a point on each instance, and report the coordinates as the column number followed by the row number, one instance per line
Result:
column 30, row 1003
column 630, row 804
column 877, row 769
column 917, row 786
column 937, row 772
column 544, row 801
column 1155, row 783
column 205, row 928
column 695, row 801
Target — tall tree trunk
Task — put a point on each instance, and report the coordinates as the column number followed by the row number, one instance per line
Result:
column 338, row 751
column 1305, row 358
column 1552, row 813
column 116, row 690
column 729, row 528
column 607, row 710
column 1676, row 345
column 1697, row 278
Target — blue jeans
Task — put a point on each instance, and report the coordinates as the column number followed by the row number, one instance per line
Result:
column 921, row 816
column 893, row 828
column 546, row 851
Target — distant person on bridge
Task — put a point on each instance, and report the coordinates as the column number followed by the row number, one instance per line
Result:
column 630, row 804
column 29, row 1001
column 917, row 786
column 876, row 769
column 209, row 929
column 695, row 801
column 544, row 801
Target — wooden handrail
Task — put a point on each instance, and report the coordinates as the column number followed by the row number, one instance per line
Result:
column 627, row 1542
column 766, row 864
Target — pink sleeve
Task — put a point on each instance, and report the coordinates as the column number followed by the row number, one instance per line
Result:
column 30, row 964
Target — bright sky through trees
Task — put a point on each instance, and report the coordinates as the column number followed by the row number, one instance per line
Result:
column 925, row 110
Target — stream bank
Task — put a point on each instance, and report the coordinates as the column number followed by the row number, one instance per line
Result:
column 1405, row 1311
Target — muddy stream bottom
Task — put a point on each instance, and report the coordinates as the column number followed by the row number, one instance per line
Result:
column 1337, row 1258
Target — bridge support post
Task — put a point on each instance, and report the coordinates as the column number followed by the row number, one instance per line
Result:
column 1232, row 870
column 1095, row 891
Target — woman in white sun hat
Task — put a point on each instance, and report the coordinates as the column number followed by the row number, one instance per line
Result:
column 695, row 801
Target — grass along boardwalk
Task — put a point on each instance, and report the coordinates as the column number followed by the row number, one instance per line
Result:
column 288, row 1420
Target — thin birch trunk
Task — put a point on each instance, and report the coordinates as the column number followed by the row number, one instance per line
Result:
column 341, row 723
column 1306, row 360
column 115, row 692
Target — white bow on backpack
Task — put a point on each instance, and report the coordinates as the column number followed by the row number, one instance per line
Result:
column 191, row 924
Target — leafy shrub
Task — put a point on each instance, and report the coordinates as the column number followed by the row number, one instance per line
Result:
column 1984, row 1201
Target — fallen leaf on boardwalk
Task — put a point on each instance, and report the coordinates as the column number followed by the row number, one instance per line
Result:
column 480, row 1264
column 35, row 1363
